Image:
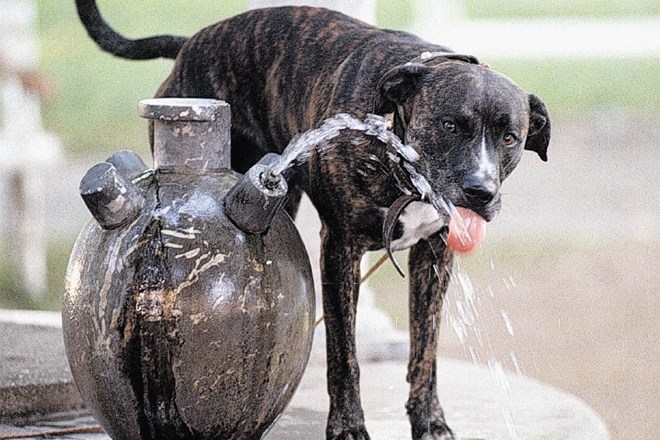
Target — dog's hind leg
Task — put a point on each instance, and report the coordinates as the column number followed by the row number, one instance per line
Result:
column 430, row 267
column 340, row 266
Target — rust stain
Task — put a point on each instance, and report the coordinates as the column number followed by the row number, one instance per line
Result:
column 157, row 305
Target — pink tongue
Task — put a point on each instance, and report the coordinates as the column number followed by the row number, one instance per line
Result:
column 467, row 230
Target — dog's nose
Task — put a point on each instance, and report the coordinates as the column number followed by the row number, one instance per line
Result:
column 479, row 191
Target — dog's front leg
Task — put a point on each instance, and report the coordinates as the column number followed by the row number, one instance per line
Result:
column 340, row 266
column 430, row 266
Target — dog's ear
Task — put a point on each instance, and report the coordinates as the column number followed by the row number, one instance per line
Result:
column 397, row 85
column 470, row 59
column 538, row 136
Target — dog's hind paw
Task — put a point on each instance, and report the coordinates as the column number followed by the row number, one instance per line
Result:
column 356, row 433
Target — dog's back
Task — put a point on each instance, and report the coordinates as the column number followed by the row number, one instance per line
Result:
column 291, row 67
column 283, row 69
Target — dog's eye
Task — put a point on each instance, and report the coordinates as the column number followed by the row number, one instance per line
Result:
column 509, row 139
column 449, row 126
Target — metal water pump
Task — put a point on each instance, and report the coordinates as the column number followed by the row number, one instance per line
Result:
column 188, row 313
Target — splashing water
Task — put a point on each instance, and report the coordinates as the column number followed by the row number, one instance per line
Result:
column 516, row 365
column 464, row 308
column 507, row 321
column 304, row 144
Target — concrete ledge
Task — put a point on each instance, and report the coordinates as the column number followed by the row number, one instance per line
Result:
column 31, row 317
column 34, row 372
column 478, row 405
column 479, row 402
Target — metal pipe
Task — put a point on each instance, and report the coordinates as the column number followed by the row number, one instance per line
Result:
column 254, row 200
column 190, row 135
column 110, row 196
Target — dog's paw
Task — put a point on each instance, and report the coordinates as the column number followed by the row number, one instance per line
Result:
column 357, row 433
column 434, row 431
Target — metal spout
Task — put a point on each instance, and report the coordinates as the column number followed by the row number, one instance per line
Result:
column 129, row 164
column 190, row 135
column 254, row 200
column 110, row 196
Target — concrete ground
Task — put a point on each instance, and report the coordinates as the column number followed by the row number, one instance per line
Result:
column 34, row 373
column 480, row 403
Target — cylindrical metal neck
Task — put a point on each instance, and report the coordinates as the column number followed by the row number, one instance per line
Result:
column 190, row 135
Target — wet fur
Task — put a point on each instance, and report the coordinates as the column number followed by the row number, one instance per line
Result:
column 284, row 70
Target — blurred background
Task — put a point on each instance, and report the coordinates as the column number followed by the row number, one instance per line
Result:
column 565, row 289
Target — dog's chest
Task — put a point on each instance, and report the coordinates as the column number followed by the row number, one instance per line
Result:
column 418, row 221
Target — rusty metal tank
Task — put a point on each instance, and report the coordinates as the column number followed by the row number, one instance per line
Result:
column 177, row 323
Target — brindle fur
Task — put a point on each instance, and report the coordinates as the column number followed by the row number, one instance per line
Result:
column 284, row 70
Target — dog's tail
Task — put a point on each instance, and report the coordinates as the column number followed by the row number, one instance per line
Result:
column 160, row 46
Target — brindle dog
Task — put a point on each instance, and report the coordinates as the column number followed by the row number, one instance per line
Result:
column 284, row 70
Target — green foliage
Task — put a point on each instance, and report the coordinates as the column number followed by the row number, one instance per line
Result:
column 96, row 106
column 394, row 14
column 398, row 14
column 570, row 86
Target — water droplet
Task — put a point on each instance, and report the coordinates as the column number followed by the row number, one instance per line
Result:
column 499, row 376
column 437, row 271
column 508, row 419
column 515, row 364
column 509, row 283
column 507, row 321
column 489, row 289
column 474, row 355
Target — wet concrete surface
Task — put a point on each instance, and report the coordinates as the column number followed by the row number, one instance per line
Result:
column 480, row 403
column 34, row 374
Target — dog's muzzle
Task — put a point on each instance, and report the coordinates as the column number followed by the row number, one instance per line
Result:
column 481, row 196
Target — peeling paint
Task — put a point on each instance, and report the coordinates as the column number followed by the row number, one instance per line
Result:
column 200, row 268
column 188, row 255
column 187, row 235
column 156, row 305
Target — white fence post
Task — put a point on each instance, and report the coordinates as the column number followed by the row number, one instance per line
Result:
column 26, row 151
column 445, row 22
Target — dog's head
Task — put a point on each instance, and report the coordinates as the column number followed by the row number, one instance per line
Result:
column 469, row 124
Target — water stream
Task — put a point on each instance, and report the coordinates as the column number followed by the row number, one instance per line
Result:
column 302, row 146
column 465, row 307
